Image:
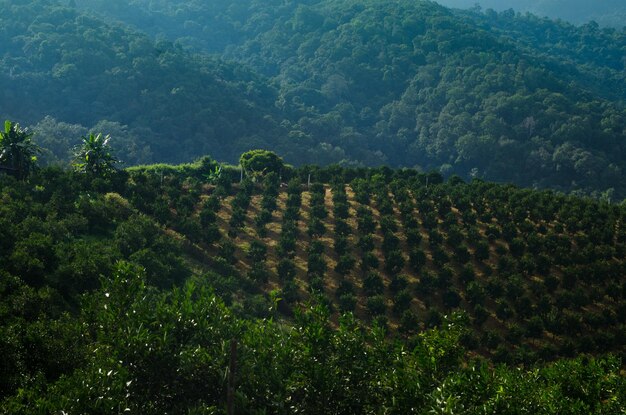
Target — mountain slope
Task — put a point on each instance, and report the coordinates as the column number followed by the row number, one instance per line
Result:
column 422, row 87
column 76, row 68
column 400, row 249
column 113, row 290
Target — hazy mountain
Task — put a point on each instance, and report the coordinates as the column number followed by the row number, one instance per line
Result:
column 605, row 12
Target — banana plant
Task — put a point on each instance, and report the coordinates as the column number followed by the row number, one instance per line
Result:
column 215, row 175
column 94, row 156
column 18, row 152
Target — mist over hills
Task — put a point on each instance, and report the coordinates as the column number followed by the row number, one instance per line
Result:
column 496, row 96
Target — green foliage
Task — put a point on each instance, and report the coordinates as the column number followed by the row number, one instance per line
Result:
column 286, row 270
column 376, row 305
column 373, row 284
column 345, row 264
column 257, row 251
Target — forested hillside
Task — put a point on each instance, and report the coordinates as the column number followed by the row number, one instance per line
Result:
column 402, row 241
column 158, row 101
column 408, row 83
column 368, row 289
column 416, row 85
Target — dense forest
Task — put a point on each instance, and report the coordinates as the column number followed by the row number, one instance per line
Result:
column 496, row 96
column 334, row 290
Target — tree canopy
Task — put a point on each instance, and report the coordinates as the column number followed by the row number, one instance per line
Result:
column 261, row 162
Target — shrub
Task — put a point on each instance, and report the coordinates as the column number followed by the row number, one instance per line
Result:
column 227, row 251
column 394, row 262
column 257, row 252
column 373, row 284
column 417, row 259
column 316, row 264
column 366, row 243
column 451, row 298
column 347, row 302
column 468, row 274
column 259, row 273
column 369, row 261
column 401, row 301
column 341, row 245
column 286, row 270
column 408, row 323
column 345, row 264
column 376, row 305
column 398, row 283
column 480, row 314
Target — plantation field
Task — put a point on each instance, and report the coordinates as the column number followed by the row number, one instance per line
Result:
column 536, row 275
column 359, row 290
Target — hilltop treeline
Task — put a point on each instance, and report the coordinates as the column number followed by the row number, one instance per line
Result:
column 494, row 96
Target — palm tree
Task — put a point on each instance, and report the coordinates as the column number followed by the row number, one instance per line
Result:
column 17, row 150
column 94, row 156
